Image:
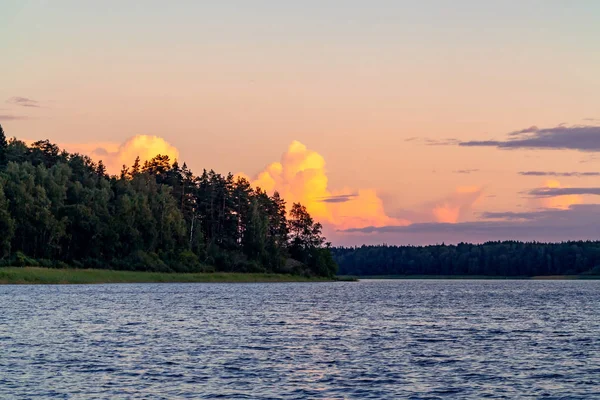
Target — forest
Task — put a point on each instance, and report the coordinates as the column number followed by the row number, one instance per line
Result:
column 64, row 210
column 509, row 258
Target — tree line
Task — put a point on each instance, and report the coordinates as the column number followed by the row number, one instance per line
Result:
column 60, row 209
column 508, row 258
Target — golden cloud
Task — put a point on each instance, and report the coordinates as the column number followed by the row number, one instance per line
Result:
column 115, row 155
column 456, row 206
column 559, row 202
column 300, row 176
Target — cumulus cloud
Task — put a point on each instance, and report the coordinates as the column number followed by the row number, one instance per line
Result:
column 584, row 138
column 115, row 155
column 301, row 176
column 578, row 222
column 23, row 102
column 562, row 174
column 561, row 201
column 143, row 146
column 457, row 206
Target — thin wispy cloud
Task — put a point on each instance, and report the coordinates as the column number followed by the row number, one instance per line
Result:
column 520, row 216
column 23, row 102
column 582, row 138
column 434, row 142
column 531, row 129
column 560, row 191
column 563, row 174
column 466, row 171
column 338, row 199
column 9, row 117
column 590, row 159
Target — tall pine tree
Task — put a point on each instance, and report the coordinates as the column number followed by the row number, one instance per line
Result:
column 7, row 225
column 3, row 146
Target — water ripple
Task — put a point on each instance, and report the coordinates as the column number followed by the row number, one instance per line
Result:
column 367, row 340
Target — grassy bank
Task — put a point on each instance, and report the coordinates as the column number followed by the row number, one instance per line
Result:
column 37, row 275
column 483, row 277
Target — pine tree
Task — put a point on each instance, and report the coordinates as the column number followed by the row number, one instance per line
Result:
column 305, row 235
column 101, row 169
column 3, row 142
column 135, row 168
column 3, row 146
column 124, row 172
column 7, row 225
column 278, row 224
column 255, row 233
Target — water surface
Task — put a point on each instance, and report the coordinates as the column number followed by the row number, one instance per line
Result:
column 372, row 339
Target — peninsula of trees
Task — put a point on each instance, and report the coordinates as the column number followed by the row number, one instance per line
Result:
column 59, row 209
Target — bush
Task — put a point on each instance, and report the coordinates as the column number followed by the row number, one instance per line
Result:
column 208, row 268
column 21, row 260
column 322, row 263
column 61, row 264
column 293, row 267
column 187, row 261
column 231, row 261
column 253, row 266
column 142, row 261
column 44, row 262
column 94, row 263
column 593, row 271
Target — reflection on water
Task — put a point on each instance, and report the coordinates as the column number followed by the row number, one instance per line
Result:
column 371, row 339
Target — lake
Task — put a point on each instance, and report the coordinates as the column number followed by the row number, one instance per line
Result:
column 421, row 339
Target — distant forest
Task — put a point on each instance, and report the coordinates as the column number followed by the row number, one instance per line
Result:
column 492, row 259
column 59, row 209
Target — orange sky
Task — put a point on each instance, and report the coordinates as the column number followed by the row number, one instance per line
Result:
column 319, row 101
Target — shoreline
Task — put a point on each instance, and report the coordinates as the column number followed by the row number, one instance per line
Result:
column 480, row 277
column 71, row 276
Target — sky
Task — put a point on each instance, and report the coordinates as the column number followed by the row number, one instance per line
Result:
column 396, row 122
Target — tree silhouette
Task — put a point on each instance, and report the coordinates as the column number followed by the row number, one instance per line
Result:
column 58, row 208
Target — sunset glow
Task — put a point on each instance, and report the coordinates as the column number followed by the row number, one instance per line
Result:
column 379, row 116
column 301, row 176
